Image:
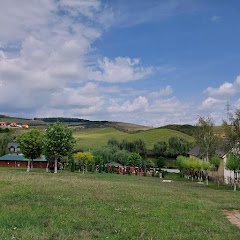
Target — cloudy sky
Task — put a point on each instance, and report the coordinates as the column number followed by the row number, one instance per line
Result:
column 149, row 62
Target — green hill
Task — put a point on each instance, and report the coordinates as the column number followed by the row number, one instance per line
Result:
column 185, row 128
column 75, row 123
column 97, row 137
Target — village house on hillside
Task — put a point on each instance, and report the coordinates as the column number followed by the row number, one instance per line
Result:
column 3, row 124
column 15, row 158
column 223, row 173
column 13, row 125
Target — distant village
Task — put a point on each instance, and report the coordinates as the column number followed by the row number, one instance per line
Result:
column 4, row 125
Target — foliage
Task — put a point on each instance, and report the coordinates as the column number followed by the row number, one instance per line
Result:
column 135, row 159
column 215, row 162
column 121, row 156
column 5, row 138
column 186, row 128
column 31, row 143
column 232, row 132
column 98, row 137
column 177, row 146
column 161, row 162
column 149, row 163
column 106, row 153
column 160, row 148
column 233, row 162
column 85, row 160
column 58, row 141
column 191, row 164
column 206, row 138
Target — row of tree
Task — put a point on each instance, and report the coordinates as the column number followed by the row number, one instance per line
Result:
column 57, row 142
column 172, row 148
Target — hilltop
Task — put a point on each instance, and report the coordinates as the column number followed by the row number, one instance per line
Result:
column 77, row 123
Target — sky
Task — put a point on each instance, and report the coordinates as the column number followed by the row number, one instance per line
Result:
column 152, row 62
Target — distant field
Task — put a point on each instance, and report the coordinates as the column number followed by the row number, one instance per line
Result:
column 42, row 206
column 97, row 137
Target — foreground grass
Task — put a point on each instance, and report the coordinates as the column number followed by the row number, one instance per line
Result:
column 89, row 138
column 109, row 206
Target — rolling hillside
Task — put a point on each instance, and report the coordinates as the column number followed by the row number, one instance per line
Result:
column 97, row 137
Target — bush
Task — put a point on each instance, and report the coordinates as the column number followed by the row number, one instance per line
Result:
column 161, row 162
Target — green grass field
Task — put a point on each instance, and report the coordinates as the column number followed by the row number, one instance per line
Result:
column 97, row 137
column 108, row 206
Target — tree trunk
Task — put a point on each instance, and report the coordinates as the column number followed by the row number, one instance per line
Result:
column 55, row 166
column 47, row 167
column 32, row 165
column 207, row 177
column 28, row 166
column 234, row 181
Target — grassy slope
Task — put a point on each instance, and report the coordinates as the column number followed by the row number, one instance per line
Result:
column 108, row 206
column 90, row 138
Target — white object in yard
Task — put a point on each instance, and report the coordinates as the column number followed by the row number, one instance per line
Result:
column 166, row 180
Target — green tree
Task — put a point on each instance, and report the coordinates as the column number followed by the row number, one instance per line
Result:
column 215, row 162
column 206, row 139
column 58, row 142
column 161, row 162
column 85, row 160
column 5, row 138
column 121, row 156
column 31, row 145
column 135, row 159
column 233, row 164
column 177, row 146
column 160, row 148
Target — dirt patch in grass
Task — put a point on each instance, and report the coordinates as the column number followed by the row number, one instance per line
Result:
column 233, row 217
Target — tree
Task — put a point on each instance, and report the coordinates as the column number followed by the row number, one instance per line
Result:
column 161, row 162
column 160, row 148
column 206, row 139
column 121, row 156
column 177, row 146
column 58, row 142
column 135, row 159
column 233, row 164
column 5, row 138
column 140, row 147
column 85, row 159
column 215, row 162
column 113, row 142
column 31, row 145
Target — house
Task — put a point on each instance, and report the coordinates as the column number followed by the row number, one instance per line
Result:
column 223, row 173
column 14, row 125
column 3, row 124
column 13, row 148
column 13, row 160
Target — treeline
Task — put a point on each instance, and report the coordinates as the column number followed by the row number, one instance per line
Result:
column 186, row 128
column 5, row 138
column 172, row 148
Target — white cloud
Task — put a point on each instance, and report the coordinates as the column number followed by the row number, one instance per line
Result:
column 211, row 102
column 226, row 89
column 138, row 104
column 121, row 69
column 162, row 92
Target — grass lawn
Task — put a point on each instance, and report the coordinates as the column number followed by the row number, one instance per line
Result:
column 88, row 138
column 67, row 205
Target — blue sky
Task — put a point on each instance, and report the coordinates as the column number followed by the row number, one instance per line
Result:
column 148, row 62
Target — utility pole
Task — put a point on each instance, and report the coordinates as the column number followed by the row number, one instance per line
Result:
column 228, row 107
